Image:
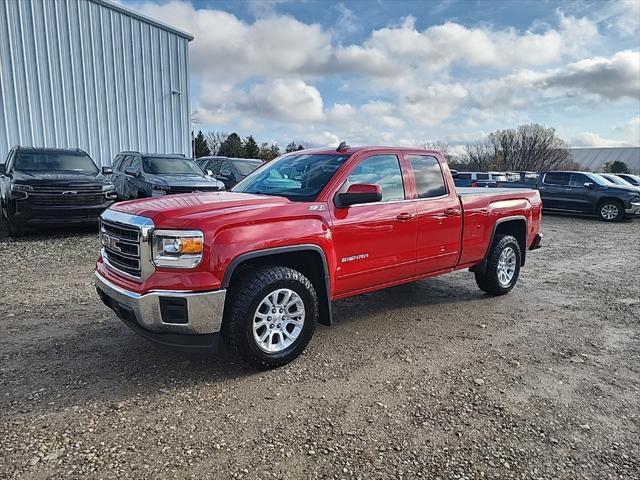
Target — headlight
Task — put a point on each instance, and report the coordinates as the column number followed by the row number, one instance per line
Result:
column 177, row 248
column 19, row 187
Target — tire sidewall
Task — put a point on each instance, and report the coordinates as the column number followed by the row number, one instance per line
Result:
column 617, row 204
column 500, row 247
column 311, row 316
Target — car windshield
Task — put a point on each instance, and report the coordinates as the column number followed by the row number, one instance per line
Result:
column 603, row 182
column 299, row 177
column 55, row 162
column 171, row 166
column 245, row 167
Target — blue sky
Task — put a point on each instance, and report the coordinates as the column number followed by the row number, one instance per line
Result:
column 410, row 72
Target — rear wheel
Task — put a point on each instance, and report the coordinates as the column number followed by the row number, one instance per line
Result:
column 611, row 211
column 272, row 316
column 503, row 266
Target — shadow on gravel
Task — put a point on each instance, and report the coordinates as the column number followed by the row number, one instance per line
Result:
column 46, row 233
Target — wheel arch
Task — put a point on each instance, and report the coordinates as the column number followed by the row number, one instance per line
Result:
column 516, row 226
column 309, row 259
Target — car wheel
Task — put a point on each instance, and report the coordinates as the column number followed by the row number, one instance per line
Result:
column 503, row 266
column 12, row 229
column 611, row 211
column 271, row 316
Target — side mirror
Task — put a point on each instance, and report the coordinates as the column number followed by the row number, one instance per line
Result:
column 454, row 173
column 359, row 193
column 107, row 170
column 589, row 185
column 132, row 172
column 210, row 173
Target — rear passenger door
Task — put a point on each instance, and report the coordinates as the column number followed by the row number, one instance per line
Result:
column 552, row 190
column 439, row 216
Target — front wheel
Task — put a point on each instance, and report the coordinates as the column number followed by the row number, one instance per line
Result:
column 12, row 229
column 503, row 266
column 272, row 316
column 611, row 211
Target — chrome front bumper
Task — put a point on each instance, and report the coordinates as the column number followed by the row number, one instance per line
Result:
column 635, row 208
column 203, row 309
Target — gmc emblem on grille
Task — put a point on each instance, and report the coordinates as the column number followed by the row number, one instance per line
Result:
column 69, row 192
column 111, row 242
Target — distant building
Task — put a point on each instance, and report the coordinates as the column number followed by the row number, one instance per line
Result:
column 593, row 158
column 94, row 75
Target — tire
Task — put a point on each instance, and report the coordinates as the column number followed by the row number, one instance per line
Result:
column 284, row 337
column 496, row 279
column 610, row 211
column 12, row 229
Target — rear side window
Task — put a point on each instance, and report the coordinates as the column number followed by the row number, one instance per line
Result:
column 482, row 176
column 383, row 170
column 428, row 175
column 464, row 176
column 556, row 178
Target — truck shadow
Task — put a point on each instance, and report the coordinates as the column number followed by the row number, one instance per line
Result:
column 93, row 360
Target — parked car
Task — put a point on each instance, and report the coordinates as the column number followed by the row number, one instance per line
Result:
column 520, row 179
column 140, row 175
column 632, row 179
column 260, row 265
column 51, row 186
column 587, row 193
column 229, row 170
column 479, row 179
column 615, row 180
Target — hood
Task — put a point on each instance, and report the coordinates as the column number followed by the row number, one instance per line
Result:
column 178, row 211
column 52, row 178
column 623, row 188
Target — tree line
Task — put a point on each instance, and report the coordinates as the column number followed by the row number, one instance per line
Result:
column 232, row 145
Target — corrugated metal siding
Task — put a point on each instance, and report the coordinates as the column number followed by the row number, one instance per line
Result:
column 593, row 158
column 77, row 73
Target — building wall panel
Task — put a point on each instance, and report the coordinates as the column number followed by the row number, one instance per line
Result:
column 89, row 74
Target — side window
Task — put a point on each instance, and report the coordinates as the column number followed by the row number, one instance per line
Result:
column 226, row 170
column 464, row 176
column 578, row 180
column 126, row 162
column 383, row 170
column 428, row 175
column 556, row 178
column 482, row 176
column 135, row 163
column 116, row 163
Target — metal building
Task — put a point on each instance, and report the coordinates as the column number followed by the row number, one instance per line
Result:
column 93, row 75
column 593, row 158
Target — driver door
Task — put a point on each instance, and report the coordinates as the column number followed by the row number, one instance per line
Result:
column 375, row 243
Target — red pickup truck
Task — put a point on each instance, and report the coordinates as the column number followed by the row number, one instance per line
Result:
column 260, row 265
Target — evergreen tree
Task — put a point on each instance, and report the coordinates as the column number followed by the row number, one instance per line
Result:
column 300, row 147
column 292, row 147
column 200, row 146
column 232, row 147
column 268, row 153
column 275, row 151
column 251, row 149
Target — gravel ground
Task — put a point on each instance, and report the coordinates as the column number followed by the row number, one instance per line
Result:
column 431, row 380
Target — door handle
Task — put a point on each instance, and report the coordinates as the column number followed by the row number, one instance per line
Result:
column 450, row 212
column 403, row 217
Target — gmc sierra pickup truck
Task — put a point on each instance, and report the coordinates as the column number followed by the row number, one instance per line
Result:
column 259, row 266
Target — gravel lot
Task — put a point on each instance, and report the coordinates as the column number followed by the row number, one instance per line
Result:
column 431, row 380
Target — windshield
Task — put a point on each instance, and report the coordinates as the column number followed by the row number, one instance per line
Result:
column 298, row 177
column 55, row 162
column 171, row 166
column 245, row 168
column 598, row 179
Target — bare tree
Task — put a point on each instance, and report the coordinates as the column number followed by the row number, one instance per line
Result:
column 214, row 140
column 440, row 145
column 527, row 147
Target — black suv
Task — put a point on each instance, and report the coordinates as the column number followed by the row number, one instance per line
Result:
column 48, row 186
column 587, row 193
column 140, row 175
column 229, row 170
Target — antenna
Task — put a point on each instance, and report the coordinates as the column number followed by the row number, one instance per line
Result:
column 343, row 146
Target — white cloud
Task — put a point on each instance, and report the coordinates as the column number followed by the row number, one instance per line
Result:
column 590, row 139
column 630, row 129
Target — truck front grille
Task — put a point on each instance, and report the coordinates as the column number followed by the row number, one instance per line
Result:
column 67, row 200
column 126, row 243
